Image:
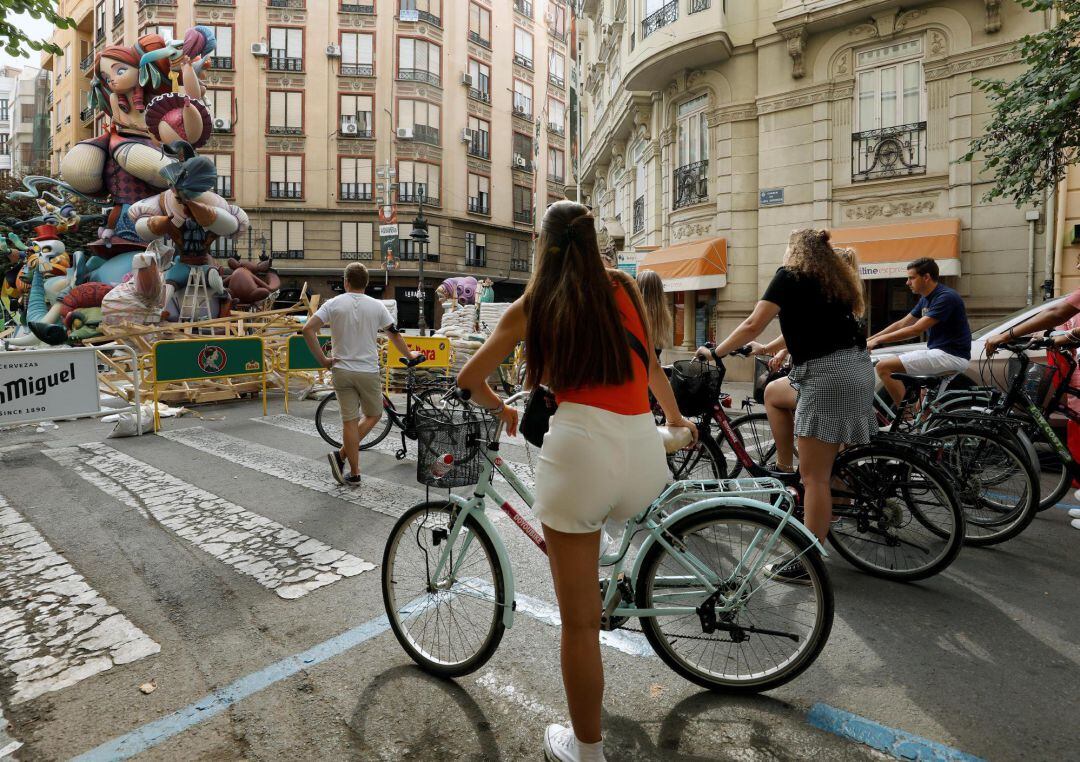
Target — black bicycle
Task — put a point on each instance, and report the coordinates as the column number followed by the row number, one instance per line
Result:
column 417, row 396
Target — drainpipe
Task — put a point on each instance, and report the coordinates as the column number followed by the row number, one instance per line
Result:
column 1032, row 217
column 1051, row 239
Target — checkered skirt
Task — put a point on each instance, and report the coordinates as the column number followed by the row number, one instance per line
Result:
column 836, row 394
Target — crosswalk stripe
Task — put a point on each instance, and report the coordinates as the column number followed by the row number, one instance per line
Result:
column 281, row 559
column 55, row 629
column 375, row 494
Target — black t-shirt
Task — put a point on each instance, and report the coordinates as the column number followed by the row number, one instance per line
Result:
column 812, row 325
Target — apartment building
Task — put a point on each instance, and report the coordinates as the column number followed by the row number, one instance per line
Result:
column 328, row 113
column 8, row 75
column 711, row 129
column 24, row 120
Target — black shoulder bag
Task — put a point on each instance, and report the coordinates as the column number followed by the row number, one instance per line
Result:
column 541, row 404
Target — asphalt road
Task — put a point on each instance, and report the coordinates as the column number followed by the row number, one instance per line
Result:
column 202, row 561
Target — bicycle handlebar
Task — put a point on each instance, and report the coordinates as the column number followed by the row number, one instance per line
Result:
column 743, row 351
column 412, row 363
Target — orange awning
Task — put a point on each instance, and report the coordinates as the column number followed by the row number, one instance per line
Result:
column 884, row 251
column 693, row 266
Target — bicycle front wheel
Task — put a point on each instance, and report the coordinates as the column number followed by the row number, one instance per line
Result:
column 328, row 422
column 775, row 629
column 451, row 625
column 756, row 435
column 895, row 514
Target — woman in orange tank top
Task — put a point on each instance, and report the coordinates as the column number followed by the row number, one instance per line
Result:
column 602, row 457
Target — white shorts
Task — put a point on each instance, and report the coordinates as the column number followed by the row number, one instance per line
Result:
column 932, row 362
column 597, row 465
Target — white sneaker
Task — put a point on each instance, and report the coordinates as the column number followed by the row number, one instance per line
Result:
column 1075, row 523
column 1074, row 513
column 561, row 745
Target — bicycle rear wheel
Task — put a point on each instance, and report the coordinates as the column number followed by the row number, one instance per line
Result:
column 756, row 435
column 702, row 460
column 452, row 625
column 895, row 514
column 328, row 422
column 1055, row 478
column 773, row 633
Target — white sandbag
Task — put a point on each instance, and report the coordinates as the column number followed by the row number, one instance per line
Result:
column 126, row 426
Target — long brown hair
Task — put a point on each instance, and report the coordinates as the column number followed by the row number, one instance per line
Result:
column 811, row 254
column 656, row 308
column 574, row 334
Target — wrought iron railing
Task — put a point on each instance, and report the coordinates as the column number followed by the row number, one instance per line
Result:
column 558, row 82
column 118, row 19
column 475, row 37
column 277, row 129
column 86, row 63
column 524, row 216
column 691, row 184
column 479, row 145
column 288, row 254
column 357, row 70
column 355, row 192
column 478, row 259
column 410, row 253
column 357, row 129
column 286, row 190
column 358, row 8
column 524, row 7
column 285, row 63
column 295, row 4
column 479, row 205
column 221, row 62
column 481, row 95
column 85, row 115
column 695, row 6
column 144, row 3
column 556, row 129
column 411, row 192
column 523, row 61
column 419, row 75
column 223, row 248
column 423, row 133
column 888, row 152
column 639, row 214
column 223, row 186
column 519, row 265
column 356, row 256
column 659, row 19
column 523, row 107
column 523, row 162
column 215, row 2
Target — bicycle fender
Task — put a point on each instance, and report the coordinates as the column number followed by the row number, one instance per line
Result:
column 500, row 552
column 712, row 502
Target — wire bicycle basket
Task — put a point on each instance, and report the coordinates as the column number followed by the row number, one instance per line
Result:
column 696, row 385
column 1041, row 380
column 448, row 445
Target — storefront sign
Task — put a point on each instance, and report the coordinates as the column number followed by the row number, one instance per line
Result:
column 771, row 197
column 881, row 270
column 628, row 263
column 412, row 293
column 48, row 383
column 435, row 348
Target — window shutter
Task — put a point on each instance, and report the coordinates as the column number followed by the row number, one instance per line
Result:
column 296, row 43
column 279, row 235
column 407, row 53
column 277, row 109
column 347, row 170
column 278, row 40
column 406, row 114
column 349, row 48
column 365, row 49
column 295, row 112
column 277, row 169
column 474, row 186
column 296, row 236
column 363, row 170
column 294, row 169
column 348, row 236
column 364, row 237
column 224, row 41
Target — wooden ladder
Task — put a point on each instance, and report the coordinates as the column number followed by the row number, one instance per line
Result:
column 195, row 304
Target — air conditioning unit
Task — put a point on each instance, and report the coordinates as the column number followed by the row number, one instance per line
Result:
column 333, row 51
column 408, row 15
column 404, row 133
column 349, row 127
column 259, row 49
column 466, row 79
column 519, row 161
column 466, row 135
column 221, row 124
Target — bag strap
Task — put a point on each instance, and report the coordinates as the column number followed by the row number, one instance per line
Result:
column 632, row 340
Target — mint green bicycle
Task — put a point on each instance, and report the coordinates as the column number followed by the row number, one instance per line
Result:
column 700, row 580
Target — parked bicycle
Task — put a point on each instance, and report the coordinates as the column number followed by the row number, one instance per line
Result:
column 328, row 415
column 699, row 583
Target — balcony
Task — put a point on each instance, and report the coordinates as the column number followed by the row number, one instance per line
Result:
column 556, row 129
column 413, row 15
column 357, row 70
column 475, row 37
column 288, row 254
column 478, row 144
column 221, row 62
column 229, row 3
column 357, row 129
column 423, row 133
column 419, row 75
column 639, row 214
column 479, row 95
column 278, row 61
column 697, row 6
column 524, row 7
column 277, row 129
column 357, row 256
column 524, row 216
column 85, row 115
column 479, row 205
column 118, row 19
column 523, row 108
column 412, row 193
column 667, row 14
column 519, row 265
column 286, row 190
column 691, row 184
column 522, row 162
column 477, row 259
column 888, row 152
column 355, row 192
column 224, row 186
column 86, row 63
column 409, row 252
column 367, row 10
column 558, row 82
column 523, row 61
column 167, row 3
column 293, row 4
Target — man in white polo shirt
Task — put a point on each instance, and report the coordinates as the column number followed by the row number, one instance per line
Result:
column 355, row 320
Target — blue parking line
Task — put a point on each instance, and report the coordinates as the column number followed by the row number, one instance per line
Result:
column 895, row 743
column 158, row 731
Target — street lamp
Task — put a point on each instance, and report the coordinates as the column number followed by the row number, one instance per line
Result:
column 419, row 234
column 262, row 246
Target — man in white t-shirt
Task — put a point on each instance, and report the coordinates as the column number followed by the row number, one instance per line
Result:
column 355, row 320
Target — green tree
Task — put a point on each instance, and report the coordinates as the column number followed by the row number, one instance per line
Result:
column 14, row 39
column 1034, row 132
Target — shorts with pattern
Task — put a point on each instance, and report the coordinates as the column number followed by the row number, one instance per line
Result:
column 357, row 391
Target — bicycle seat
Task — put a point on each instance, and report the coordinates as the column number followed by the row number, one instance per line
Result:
column 412, row 363
column 918, row 382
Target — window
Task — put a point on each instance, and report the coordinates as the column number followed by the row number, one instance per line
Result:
column 220, row 104
column 357, row 115
column 223, row 53
column 640, row 180
column 523, row 151
column 287, row 176
column 556, row 68
column 556, row 165
column 422, row 118
column 287, row 239
column 419, row 61
column 519, row 255
column 523, row 204
column 286, row 113
column 5, row 113
column 479, row 194
column 890, row 84
column 522, row 99
column 480, row 89
column 693, row 131
column 409, row 250
column 421, row 10
column 524, row 7
column 99, row 20
column 223, row 163
column 357, row 241
column 479, row 25
column 67, row 57
column 480, row 135
column 475, row 250
column 165, row 31
column 355, row 178
column 614, row 77
column 4, row 149
column 523, row 47
column 223, row 248
column 118, row 11
column 416, row 178
column 658, row 14
column 286, row 49
column 357, row 54
column 556, row 18
column 556, row 116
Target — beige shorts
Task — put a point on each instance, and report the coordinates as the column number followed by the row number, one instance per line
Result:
column 357, row 391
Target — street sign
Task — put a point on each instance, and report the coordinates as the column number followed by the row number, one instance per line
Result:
column 298, row 355
column 771, row 197
column 435, row 348
column 54, row 383
column 388, row 231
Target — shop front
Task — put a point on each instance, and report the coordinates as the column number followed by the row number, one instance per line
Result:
column 884, row 252
column 692, row 272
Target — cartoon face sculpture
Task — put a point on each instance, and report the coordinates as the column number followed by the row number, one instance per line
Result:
column 119, row 76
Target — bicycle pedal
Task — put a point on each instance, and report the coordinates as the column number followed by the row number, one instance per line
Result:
column 400, row 454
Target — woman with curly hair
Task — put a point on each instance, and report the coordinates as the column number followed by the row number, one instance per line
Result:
column 817, row 295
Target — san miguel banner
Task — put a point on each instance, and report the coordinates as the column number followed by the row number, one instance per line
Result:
column 48, row 383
